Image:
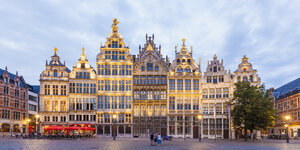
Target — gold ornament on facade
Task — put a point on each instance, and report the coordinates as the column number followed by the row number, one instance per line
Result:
column 55, row 50
column 114, row 25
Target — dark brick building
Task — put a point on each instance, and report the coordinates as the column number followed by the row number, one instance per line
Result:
column 13, row 103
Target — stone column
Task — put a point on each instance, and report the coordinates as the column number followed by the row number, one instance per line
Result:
column 222, row 123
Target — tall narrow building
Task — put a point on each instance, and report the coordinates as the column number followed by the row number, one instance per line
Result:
column 54, row 92
column 82, row 104
column 150, row 90
column 216, row 88
column 114, row 82
column 183, row 94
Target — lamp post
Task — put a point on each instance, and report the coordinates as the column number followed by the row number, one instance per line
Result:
column 200, row 122
column 37, row 116
column 287, row 128
column 115, row 117
column 28, row 125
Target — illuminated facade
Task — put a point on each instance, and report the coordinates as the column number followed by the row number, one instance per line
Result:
column 134, row 96
column 150, row 90
column 54, row 82
column 114, row 82
column 216, row 88
column 184, row 94
column 82, row 93
column 245, row 73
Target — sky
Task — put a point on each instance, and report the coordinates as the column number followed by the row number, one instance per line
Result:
column 266, row 31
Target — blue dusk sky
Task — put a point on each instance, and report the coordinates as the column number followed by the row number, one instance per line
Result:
column 267, row 31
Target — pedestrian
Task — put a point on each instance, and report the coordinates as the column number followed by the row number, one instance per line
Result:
column 151, row 138
column 159, row 139
column 155, row 138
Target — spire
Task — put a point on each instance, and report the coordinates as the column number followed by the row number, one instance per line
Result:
column 192, row 50
column 16, row 73
column 153, row 37
column 146, row 36
column 5, row 68
column 46, row 62
column 83, row 49
column 183, row 41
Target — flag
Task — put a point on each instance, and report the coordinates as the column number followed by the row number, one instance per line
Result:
column 228, row 110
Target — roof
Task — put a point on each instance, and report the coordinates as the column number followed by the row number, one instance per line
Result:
column 12, row 77
column 34, row 88
column 288, row 89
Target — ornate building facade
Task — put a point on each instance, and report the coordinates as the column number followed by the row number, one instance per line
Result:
column 133, row 96
column 150, row 90
column 183, row 94
column 114, row 82
column 82, row 104
column 216, row 88
column 54, row 82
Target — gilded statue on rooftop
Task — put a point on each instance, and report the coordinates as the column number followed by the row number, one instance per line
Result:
column 115, row 22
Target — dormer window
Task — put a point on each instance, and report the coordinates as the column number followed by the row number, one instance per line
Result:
column 178, row 60
column 83, row 65
column 55, row 73
column 244, row 69
column 6, row 80
column 61, row 74
column 215, row 69
column 16, row 83
column 149, row 66
column 156, row 68
column 143, row 68
column 189, row 60
column 183, row 60
column 114, row 44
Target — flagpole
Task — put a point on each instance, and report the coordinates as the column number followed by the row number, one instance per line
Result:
column 215, row 122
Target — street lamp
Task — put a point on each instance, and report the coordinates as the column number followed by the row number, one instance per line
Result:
column 115, row 117
column 200, row 120
column 28, row 120
column 37, row 116
column 287, row 128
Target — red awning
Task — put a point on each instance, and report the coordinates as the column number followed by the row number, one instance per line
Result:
column 72, row 128
column 87, row 128
column 54, row 128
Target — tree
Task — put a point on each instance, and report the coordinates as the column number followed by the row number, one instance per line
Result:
column 252, row 108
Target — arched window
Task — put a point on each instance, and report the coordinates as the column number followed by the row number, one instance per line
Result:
column 178, row 60
column 183, row 60
column 245, row 79
column 61, row 74
column 55, row 73
column 251, row 78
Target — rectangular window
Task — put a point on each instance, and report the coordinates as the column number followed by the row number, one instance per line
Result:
column 187, row 84
column 63, row 106
column 195, row 84
column 149, row 67
column 6, row 101
column 6, row 90
column 208, row 79
column 171, row 84
column 179, row 84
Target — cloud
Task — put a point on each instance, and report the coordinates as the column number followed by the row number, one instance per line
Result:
column 268, row 32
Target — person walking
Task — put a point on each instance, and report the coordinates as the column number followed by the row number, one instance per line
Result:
column 151, row 138
column 159, row 139
column 155, row 139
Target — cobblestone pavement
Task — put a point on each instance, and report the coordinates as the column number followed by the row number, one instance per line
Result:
column 143, row 144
